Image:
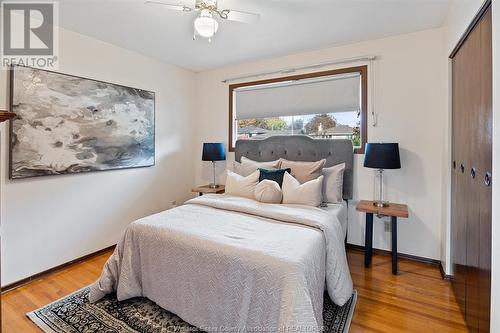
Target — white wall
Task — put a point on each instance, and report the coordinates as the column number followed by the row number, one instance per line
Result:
column 495, row 235
column 409, row 94
column 52, row 220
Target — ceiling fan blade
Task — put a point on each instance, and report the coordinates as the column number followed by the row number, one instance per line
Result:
column 169, row 6
column 235, row 15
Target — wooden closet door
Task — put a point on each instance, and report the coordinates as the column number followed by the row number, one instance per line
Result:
column 485, row 128
column 471, row 134
column 472, row 152
column 458, row 222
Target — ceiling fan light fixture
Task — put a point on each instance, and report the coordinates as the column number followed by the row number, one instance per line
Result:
column 205, row 25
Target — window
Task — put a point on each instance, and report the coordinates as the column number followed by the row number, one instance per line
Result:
column 323, row 105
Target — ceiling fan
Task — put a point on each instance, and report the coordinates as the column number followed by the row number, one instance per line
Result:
column 205, row 25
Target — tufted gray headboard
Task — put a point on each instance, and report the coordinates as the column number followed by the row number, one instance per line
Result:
column 301, row 148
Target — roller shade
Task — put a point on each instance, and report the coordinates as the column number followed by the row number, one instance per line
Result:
column 337, row 93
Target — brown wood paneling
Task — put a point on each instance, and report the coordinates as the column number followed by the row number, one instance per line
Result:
column 472, row 100
column 458, row 222
column 471, row 154
column 485, row 128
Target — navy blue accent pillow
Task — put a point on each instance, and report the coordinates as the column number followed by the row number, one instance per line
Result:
column 273, row 174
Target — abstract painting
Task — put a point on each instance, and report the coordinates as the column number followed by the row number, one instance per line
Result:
column 67, row 124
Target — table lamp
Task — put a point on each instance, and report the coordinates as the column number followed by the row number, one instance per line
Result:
column 213, row 152
column 382, row 156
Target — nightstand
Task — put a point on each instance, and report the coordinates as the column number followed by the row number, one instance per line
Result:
column 206, row 189
column 394, row 211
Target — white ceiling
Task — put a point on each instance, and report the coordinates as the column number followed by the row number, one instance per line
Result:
column 286, row 26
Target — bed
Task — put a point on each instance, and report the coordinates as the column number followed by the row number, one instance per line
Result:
column 225, row 263
column 338, row 211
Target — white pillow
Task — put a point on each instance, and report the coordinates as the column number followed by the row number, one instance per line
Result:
column 308, row 193
column 242, row 186
column 333, row 183
column 248, row 166
column 268, row 191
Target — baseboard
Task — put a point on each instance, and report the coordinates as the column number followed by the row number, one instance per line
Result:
column 400, row 255
column 443, row 274
column 29, row 279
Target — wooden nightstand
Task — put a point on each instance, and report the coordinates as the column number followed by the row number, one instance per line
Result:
column 394, row 211
column 206, row 189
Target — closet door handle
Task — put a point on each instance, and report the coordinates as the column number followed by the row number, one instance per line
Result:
column 473, row 173
column 454, row 164
column 487, row 179
column 462, row 168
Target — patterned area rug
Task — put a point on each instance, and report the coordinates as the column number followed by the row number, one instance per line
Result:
column 74, row 314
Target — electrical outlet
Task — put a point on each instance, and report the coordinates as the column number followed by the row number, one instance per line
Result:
column 387, row 226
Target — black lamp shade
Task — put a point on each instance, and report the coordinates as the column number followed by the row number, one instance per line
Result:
column 213, row 152
column 382, row 156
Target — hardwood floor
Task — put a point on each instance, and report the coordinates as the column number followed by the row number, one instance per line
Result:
column 417, row 300
column 16, row 303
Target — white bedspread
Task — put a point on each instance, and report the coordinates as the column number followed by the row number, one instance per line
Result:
column 227, row 263
column 339, row 210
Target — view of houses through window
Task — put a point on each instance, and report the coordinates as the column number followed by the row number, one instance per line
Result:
column 337, row 125
column 323, row 105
